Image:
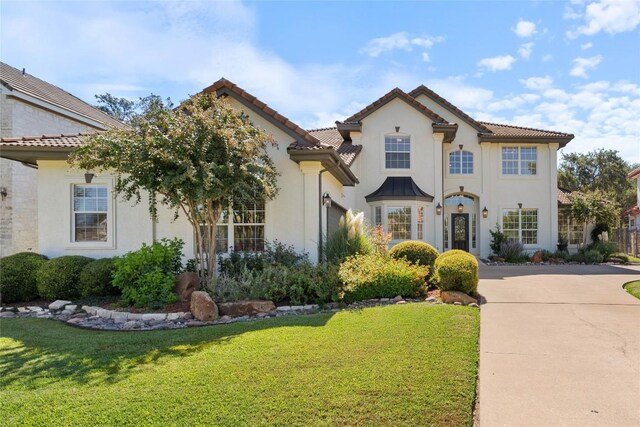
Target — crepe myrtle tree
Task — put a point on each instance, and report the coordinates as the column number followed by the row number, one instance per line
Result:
column 197, row 159
column 595, row 207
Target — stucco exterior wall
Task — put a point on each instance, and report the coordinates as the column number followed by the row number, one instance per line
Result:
column 18, row 210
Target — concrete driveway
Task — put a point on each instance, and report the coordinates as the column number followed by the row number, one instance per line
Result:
column 559, row 346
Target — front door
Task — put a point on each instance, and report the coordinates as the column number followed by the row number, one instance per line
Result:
column 460, row 231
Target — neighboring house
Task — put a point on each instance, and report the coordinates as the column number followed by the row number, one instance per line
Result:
column 30, row 107
column 412, row 162
column 632, row 214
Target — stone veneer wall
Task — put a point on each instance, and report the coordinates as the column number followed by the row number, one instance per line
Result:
column 19, row 209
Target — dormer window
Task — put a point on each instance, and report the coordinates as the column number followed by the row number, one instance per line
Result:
column 461, row 162
column 397, row 152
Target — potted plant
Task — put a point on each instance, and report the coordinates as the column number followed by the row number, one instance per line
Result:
column 563, row 243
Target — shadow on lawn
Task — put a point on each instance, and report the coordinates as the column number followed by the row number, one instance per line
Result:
column 45, row 351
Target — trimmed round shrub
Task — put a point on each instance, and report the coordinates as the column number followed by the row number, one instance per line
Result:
column 95, row 278
column 58, row 278
column 593, row 257
column 415, row 251
column 456, row 272
column 375, row 276
column 18, row 277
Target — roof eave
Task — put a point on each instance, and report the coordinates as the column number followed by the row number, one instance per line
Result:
column 345, row 128
column 31, row 155
column 562, row 140
column 449, row 130
column 329, row 159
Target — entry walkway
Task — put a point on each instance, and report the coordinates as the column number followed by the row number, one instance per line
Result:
column 559, row 346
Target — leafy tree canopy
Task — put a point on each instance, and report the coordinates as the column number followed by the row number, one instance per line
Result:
column 126, row 110
column 595, row 207
column 198, row 159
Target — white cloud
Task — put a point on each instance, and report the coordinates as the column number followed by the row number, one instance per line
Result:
column 582, row 65
column 586, row 46
column 525, row 50
column 401, row 41
column 525, row 28
column 611, row 16
column 497, row 63
column 425, row 57
column 546, row 58
column 537, row 83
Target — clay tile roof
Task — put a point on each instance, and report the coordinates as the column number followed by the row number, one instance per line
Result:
column 634, row 173
column 518, row 131
column 395, row 93
column 232, row 87
column 45, row 141
column 332, row 138
column 564, row 197
column 27, row 84
column 423, row 90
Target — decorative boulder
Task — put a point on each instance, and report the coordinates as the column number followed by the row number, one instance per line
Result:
column 246, row 308
column 451, row 297
column 202, row 306
column 537, row 257
column 186, row 284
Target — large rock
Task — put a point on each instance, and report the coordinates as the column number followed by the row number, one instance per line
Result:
column 202, row 306
column 186, row 284
column 245, row 308
column 58, row 304
column 450, row 297
column 537, row 257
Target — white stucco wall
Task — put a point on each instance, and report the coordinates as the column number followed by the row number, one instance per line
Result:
column 18, row 211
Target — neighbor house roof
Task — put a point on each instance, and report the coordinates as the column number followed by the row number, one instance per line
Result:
column 564, row 197
column 23, row 83
column 634, row 173
column 54, row 141
column 30, row 149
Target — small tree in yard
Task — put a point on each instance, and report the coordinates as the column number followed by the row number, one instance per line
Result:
column 199, row 158
column 594, row 207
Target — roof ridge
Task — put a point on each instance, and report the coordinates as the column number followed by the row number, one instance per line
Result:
column 523, row 127
column 320, row 129
column 51, row 136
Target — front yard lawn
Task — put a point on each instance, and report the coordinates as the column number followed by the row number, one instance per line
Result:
column 633, row 288
column 413, row 364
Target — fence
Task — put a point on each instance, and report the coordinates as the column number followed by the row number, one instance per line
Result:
column 628, row 240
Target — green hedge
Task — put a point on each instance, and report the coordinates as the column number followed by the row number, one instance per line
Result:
column 95, row 278
column 456, row 271
column 18, row 277
column 58, row 278
column 376, row 276
column 415, row 251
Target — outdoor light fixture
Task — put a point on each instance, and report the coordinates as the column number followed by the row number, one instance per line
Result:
column 460, row 207
column 3, row 192
column 326, row 200
column 461, row 145
column 438, row 209
column 397, row 129
column 520, row 205
column 485, row 212
column 88, row 177
column 462, row 188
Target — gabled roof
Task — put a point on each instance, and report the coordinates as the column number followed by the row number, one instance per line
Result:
column 17, row 81
column 399, row 188
column 423, row 90
column 390, row 96
column 226, row 87
column 634, row 173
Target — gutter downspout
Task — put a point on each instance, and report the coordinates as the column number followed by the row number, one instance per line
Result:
column 320, row 205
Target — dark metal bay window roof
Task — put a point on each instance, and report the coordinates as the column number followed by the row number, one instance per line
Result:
column 399, row 188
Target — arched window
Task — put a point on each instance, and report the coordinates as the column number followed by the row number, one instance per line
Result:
column 461, row 162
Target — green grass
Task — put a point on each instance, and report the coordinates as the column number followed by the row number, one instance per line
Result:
column 633, row 288
column 413, row 364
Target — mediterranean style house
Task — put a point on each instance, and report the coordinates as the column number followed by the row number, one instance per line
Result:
column 412, row 162
column 30, row 107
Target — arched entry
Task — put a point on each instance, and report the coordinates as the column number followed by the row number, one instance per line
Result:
column 461, row 222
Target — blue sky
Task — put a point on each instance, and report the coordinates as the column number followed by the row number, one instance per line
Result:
column 568, row 66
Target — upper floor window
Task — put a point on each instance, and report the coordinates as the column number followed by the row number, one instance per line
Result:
column 397, row 152
column 519, row 160
column 90, row 213
column 461, row 162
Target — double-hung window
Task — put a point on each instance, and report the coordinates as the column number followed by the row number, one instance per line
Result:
column 90, row 219
column 519, row 160
column 521, row 225
column 241, row 230
column 397, row 152
column 399, row 222
column 461, row 162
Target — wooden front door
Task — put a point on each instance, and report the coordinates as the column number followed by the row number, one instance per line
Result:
column 460, row 231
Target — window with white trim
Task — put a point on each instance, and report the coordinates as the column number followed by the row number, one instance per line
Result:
column 241, row 230
column 521, row 225
column 571, row 229
column 90, row 218
column 377, row 215
column 397, row 152
column 519, row 160
column 420, row 223
column 461, row 162
column 399, row 222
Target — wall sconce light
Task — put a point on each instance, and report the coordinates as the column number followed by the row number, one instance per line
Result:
column 326, row 200
column 460, row 207
column 485, row 212
column 397, row 129
column 88, row 177
column 462, row 188
column 461, row 145
column 438, row 209
column 519, row 205
column 3, row 192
